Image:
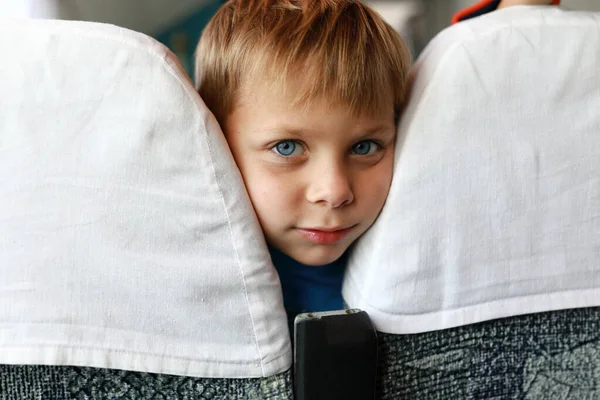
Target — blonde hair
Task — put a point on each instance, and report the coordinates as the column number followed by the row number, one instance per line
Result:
column 339, row 50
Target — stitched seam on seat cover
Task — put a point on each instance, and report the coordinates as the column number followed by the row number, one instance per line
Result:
column 118, row 351
column 240, row 270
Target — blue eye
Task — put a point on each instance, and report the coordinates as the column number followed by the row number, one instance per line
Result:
column 365, row 148
column 287, row 148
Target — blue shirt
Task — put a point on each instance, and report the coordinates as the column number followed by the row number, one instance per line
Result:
column 307, row 288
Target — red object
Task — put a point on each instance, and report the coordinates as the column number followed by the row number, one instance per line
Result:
column 324, row 237
column 477, row 7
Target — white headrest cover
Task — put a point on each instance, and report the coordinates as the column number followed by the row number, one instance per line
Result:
column 494, row 208
column 127, row 239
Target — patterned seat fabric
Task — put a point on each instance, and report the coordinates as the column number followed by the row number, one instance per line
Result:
column 553, row 355
column 35, row 382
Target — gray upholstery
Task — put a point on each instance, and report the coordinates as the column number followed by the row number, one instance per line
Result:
column 18, row 382
column 548, row 356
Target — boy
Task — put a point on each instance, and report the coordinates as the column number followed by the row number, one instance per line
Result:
column 308, row 94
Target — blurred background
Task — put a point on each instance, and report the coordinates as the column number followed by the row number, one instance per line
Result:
column 178, row 24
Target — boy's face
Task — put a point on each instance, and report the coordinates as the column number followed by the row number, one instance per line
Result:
column 317, row 178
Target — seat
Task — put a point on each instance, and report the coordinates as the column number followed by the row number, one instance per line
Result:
column 132, row 263
column 482, row 272
column 133, row 266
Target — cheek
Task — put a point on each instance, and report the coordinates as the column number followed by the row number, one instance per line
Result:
column 270, row 193
column 376, row 184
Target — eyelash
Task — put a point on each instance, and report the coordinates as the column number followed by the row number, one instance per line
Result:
column 378, row 145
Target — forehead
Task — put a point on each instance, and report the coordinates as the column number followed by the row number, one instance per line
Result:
column 298, row 99
column 267, row 109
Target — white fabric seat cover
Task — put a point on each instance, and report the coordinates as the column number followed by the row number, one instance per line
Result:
column 494, row 208
column 127, row 239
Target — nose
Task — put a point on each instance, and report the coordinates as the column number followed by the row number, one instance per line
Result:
column 330, row 185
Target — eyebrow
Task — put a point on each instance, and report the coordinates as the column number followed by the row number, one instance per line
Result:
column 381, row 131
column 378, row 131
column 293, row 132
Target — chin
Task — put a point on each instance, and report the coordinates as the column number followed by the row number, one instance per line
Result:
column 317, row 257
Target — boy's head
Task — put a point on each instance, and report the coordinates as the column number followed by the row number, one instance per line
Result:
column 307, row 93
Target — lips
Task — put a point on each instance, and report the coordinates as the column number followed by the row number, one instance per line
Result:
column 324, row 236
